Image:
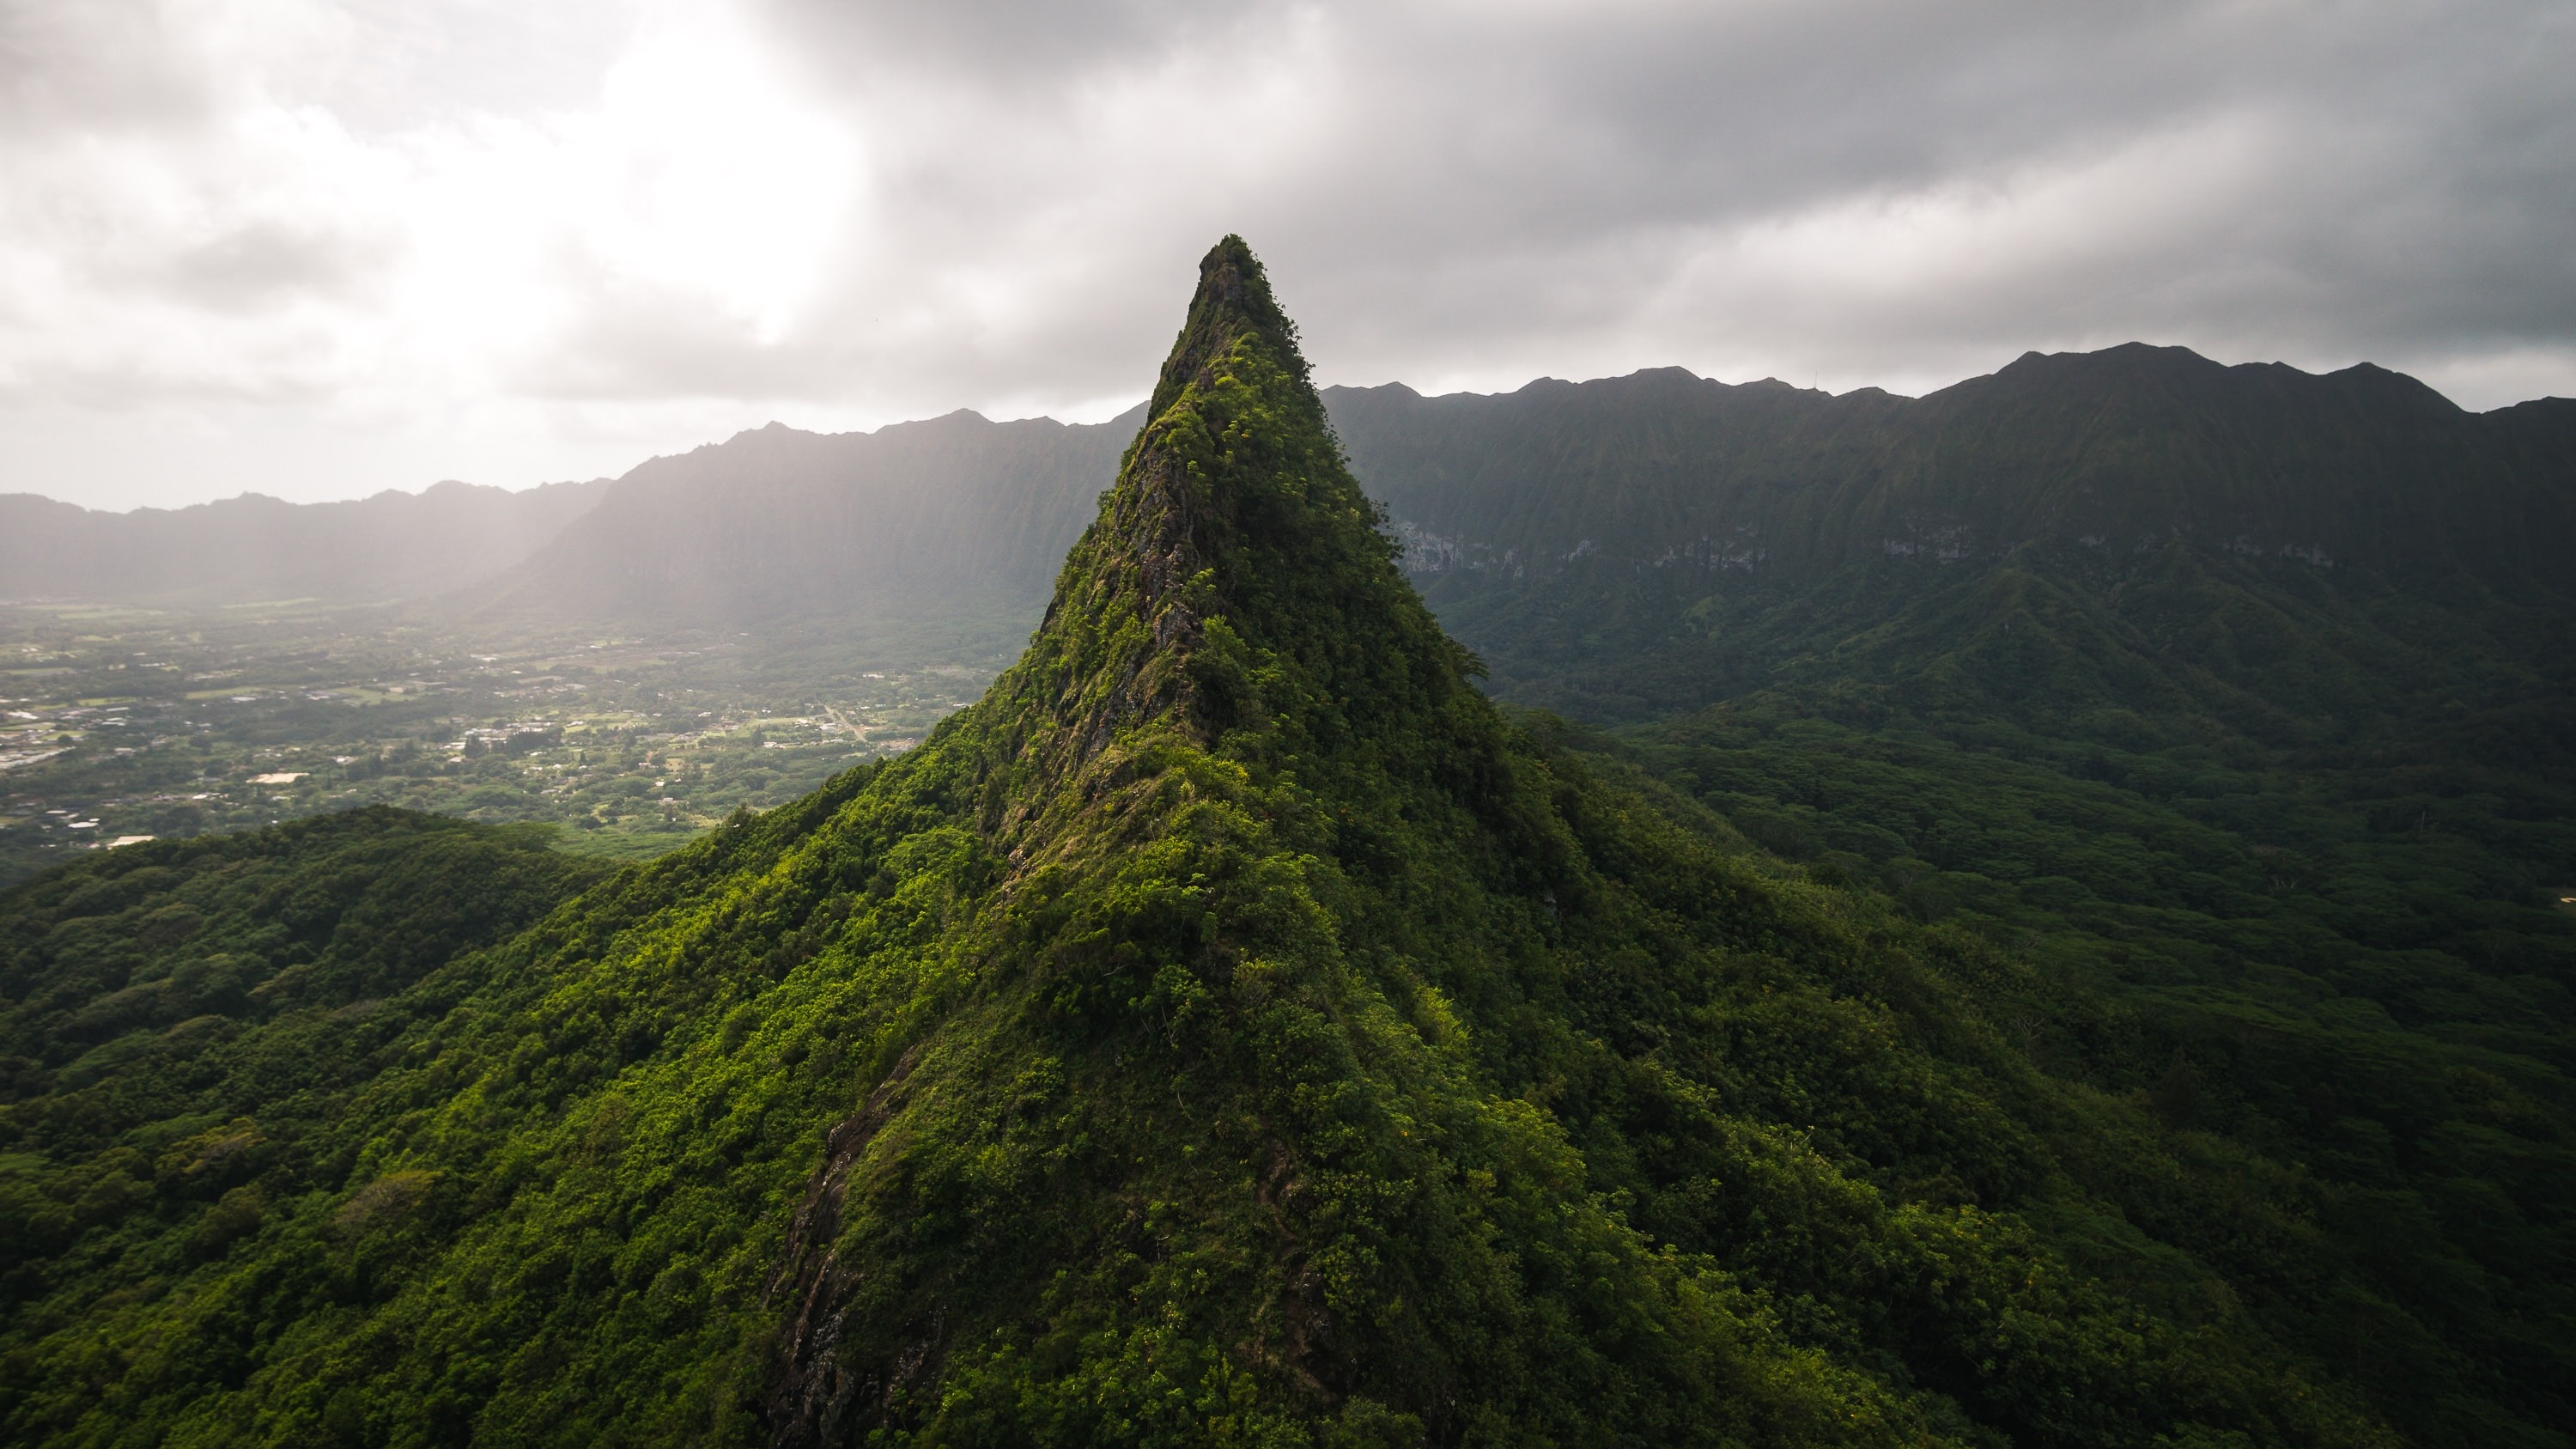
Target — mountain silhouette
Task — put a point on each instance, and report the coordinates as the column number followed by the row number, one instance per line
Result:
column 953, row 519
column 254, row 548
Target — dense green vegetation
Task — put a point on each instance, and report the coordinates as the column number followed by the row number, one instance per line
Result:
column 184, row 1022
column 1236, row 1029
column 2369, row 994
column 2284, row 778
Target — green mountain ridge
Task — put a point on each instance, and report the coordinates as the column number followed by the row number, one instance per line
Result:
column 2117, row 450
column 1234, row 1028
column 1655, row 543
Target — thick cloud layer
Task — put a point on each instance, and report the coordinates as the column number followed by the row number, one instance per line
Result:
column 319, row 248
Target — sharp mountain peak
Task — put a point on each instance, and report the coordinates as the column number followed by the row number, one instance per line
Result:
column 1236, row 566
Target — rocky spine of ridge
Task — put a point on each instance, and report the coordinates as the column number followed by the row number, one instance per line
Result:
column 1231, row 519
column 1242, row 809
column 1140, row 558
column 1236, row 577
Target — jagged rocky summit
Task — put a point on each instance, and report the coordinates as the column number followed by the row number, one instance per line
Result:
column 1231, row 1030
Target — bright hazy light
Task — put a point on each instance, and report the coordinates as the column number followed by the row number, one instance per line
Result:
column 320, row 247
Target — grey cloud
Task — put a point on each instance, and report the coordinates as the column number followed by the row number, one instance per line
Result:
column 109, row 66
column 1473, row 194
column 266, row 264
column 1522, row 176
column 417, row 61
column 106, row 65
column 1711, row 123
column 638, row 344
column 999, row 43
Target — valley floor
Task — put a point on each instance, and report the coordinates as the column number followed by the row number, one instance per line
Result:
column 124, row 723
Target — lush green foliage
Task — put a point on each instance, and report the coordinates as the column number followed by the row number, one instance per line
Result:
column 185, row 1021
column 2297, row 821
column 2368, row 995
column 1232, row 1030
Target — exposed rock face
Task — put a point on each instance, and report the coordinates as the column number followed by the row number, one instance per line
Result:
column 815, row 1398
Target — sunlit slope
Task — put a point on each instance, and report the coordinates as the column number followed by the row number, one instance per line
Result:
column 182, row 1025
column 1232, row 1029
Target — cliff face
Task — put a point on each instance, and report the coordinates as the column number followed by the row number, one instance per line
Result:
column 2160, row 536
column 2116, row 451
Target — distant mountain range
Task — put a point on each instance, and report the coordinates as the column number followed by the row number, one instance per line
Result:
column 391, row 546
column 1620, row 548
column 954, row 517
column 1637, row 546
column 2117, row 450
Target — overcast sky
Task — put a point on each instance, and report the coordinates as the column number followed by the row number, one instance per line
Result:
column 316, row 248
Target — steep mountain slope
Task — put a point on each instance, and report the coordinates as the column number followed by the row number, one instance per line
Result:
column 1233, row 1029
column 2239, row 538
column 393, row 545
column 954, row 519
column 2248, row 696
column 2118, row 450
column 2376, row 989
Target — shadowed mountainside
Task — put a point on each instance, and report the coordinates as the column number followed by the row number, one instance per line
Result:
column 2118, row 450
column 1568, row 531
column 1648, row 544
column 2251, row 542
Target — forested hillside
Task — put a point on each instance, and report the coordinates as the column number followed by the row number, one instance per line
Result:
column 2241, row 696
column 1236, row 1029
column 180, row 1025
